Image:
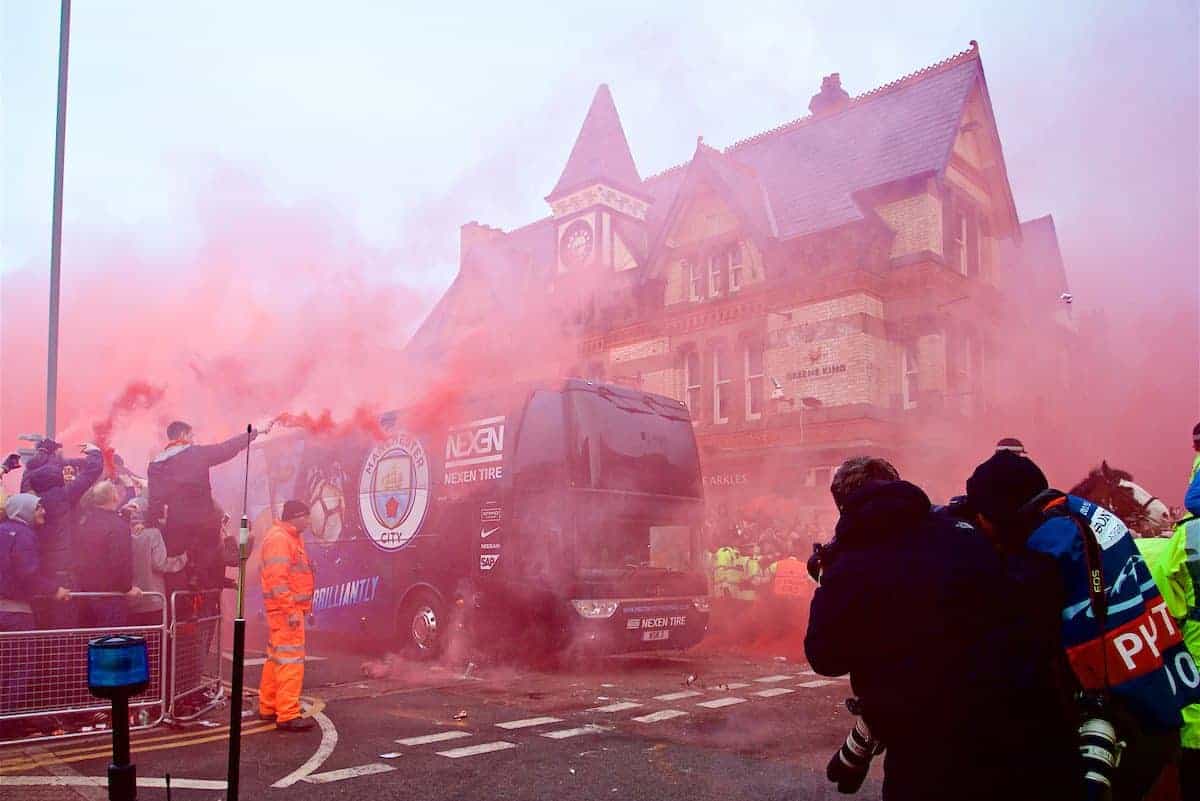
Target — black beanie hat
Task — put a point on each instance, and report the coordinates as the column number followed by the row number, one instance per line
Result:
column 293, row 509
column 1003, row 484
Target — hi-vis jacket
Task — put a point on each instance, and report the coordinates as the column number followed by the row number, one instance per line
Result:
column 1191, row 500
column 1175, row 564
column 287, row 575
column 1139, row 658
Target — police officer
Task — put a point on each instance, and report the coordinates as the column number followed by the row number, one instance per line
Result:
column 1192, row 500
column 287, row 585
column 1175, row 564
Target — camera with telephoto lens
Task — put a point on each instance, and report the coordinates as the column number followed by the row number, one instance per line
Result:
column 849, row 766
column 822, row 557
column 1099, row 749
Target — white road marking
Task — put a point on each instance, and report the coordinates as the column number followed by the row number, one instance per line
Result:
column 329, row 738
column 331, row 776
column 563, row 734
column 817, row 683
column 771, row 692
column 48, row 761
column 656, row 717
column 735, row 685
column 771, row 679
column 620, row 706
column 472, row 750
column 102, row 781
column 717, row 703
column 679, row 696
column 435, row 738
column 527, row 722
column 807, row 672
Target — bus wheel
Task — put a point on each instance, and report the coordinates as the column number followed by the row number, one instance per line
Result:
column 424, row 625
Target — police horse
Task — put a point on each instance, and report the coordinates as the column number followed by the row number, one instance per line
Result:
column 1145, row 514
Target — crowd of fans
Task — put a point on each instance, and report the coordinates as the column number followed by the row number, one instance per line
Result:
column 87, row 543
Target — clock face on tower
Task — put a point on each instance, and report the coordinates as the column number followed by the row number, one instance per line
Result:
column 575, row 246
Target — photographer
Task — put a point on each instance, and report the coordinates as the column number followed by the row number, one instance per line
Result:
column 913, row 606
column 1125, row 651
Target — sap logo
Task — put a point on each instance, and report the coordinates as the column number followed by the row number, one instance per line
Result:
column 477, row 442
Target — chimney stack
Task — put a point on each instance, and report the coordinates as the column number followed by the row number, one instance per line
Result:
column 831, row 98
column 473, row 233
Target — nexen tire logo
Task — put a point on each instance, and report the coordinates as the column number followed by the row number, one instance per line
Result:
column 393, row 492
column 475, row 451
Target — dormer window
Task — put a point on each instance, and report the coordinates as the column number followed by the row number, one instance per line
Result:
column 735, row 268
column 716, row 274
column 964, row 236
column 712, row 274
column 694, row 274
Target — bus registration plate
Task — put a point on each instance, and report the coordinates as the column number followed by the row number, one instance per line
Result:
column 650, row 636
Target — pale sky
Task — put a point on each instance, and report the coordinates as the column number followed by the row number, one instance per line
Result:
column 408, row 119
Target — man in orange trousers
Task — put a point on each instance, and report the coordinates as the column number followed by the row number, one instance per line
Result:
column 287, row 585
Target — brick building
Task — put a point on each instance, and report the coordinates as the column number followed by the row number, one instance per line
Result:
column 836, row 285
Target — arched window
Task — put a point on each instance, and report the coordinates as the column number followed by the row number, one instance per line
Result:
column 722, row 385
column 753, row 370
column 692, row 381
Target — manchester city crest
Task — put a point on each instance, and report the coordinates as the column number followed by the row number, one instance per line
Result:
column 394, row 491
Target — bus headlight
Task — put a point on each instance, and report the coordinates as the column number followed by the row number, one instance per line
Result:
column 595, row 609
column 702, row 603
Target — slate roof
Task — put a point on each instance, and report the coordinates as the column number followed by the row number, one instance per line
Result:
column 790, row 181
column 812, row 167
column 601, row 152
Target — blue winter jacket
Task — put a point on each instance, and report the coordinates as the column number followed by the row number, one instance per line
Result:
column 61, row 501
column 21, row 575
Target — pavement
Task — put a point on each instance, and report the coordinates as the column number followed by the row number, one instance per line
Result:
column 676, row 727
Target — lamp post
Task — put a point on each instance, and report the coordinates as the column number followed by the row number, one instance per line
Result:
column 60, row 144
column 237, row 677
column 119, row 668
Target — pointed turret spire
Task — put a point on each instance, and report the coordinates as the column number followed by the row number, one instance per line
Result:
column 601, row 152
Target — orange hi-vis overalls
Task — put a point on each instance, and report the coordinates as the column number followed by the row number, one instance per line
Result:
column 287, row 585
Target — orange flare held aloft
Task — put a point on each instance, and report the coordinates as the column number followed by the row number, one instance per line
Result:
column 138, row 395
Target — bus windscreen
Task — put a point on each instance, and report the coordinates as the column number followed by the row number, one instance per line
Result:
column 632, row 442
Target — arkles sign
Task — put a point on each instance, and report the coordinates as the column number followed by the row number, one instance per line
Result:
column 726, row 480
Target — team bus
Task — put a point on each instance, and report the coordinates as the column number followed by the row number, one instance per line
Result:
column 557, row 516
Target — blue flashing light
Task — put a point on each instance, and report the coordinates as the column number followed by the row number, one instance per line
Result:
column 118, row 665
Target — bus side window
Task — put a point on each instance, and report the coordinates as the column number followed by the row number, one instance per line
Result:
column 541, row 446
column 539, row 483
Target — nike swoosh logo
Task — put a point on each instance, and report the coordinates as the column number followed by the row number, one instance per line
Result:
column 484, row 534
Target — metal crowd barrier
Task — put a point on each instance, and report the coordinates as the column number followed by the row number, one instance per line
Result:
column 43, row 674
column 195, row 635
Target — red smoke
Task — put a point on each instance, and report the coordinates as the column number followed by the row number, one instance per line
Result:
column 272, row 308
column 138, row 396
column 364, row 420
